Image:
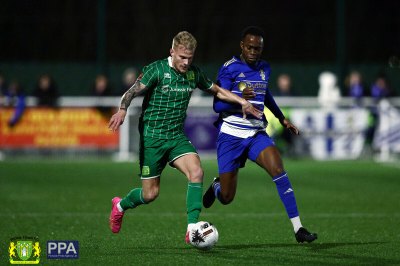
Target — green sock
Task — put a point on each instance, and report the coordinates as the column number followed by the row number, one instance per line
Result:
column 193, row 201
column 133, row 199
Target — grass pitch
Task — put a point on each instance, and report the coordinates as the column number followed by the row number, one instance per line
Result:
column 352, row 205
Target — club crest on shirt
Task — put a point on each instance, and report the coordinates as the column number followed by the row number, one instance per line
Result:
column 262, row 74
column 190, row 75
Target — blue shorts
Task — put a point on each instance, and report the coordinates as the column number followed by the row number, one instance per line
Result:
column 233, row 152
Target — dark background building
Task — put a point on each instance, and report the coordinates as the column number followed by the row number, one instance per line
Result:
column 75, row 40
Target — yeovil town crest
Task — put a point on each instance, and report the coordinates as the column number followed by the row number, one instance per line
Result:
column 190, row 75
column 24, row 250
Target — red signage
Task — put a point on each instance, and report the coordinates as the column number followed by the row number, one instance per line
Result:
column 57, row 128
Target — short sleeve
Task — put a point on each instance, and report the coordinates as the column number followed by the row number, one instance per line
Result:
column 203, row 83
column 149, row 76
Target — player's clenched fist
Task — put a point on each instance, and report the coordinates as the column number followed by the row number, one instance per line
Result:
column 248, row 93
column 117, row 119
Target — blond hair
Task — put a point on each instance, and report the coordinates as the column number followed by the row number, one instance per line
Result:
column 185, row 39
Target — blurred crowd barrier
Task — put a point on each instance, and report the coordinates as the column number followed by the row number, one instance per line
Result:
column 79, row 126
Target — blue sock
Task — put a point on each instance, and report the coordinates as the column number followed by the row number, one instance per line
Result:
column 286, row 194
column 217, row 190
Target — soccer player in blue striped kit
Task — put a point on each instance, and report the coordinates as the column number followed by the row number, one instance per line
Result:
column 241, row 138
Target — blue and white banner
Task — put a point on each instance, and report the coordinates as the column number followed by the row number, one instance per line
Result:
column 387, row 134
column 332, row 134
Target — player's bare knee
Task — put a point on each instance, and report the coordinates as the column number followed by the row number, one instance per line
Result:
column 196, row 175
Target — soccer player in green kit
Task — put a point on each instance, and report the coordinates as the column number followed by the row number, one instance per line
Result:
column 167, row 86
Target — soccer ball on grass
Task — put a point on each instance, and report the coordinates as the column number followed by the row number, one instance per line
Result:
column 203, row 235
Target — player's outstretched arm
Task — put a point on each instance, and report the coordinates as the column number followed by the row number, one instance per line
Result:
column 118, row 118
column 228, row 96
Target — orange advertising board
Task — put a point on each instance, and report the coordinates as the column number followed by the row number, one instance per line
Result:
column 57, row 128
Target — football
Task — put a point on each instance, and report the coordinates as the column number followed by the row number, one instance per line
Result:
column 203, row 235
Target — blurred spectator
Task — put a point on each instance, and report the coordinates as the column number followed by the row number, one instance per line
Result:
column 380, row 88
column 3, row 88
column 284, row 89
column 329, row 94
column 3, row 84
column 14, row 97
column 128, row 79
column 101, row 88
column 284, row 86
column 46, row 91
column 355, row 87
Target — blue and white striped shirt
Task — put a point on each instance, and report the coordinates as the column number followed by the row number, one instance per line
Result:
column 234, row 75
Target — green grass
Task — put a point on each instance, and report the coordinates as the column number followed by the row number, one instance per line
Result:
column 353, row 205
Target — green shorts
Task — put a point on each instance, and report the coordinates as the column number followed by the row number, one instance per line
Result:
column 156, row 153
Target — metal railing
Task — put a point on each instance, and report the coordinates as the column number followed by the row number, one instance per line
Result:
column 204, row 101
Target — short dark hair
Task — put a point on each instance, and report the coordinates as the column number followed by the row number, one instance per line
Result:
column 252, row 30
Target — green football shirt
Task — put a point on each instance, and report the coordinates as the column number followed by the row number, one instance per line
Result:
column 167, row 99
